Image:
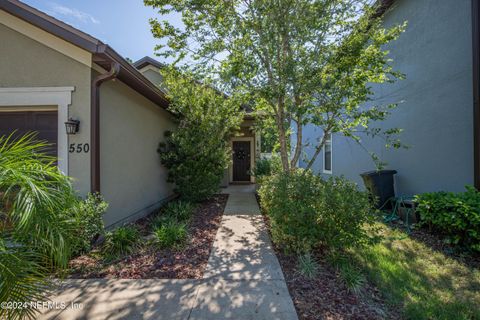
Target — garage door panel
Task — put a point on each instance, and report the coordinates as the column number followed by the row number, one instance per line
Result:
column 43, row 122
column 12, row 121
column 46, row 120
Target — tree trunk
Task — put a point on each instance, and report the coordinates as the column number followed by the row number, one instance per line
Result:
column 298, row 145
column 317, row 150
column 280, row 120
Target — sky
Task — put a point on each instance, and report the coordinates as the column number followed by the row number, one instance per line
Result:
column 122, row 24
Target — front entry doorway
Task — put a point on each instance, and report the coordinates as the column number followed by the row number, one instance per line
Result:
column 241, row 161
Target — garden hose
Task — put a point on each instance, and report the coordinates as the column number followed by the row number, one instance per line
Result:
column 393, row 215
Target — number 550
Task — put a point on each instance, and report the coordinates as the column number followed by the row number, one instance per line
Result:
column 79, row 147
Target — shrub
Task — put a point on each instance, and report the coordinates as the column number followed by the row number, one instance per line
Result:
column 181, row 210
column 197, row 152
column 454, row 215
column 89, row 223
column 171, row 234
column 35, row 227
column 121, row 241
column 266, row 167
column 307, row 211
column 263, row 167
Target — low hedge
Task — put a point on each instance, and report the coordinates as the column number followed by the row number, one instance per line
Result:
column 456, row 216
column 307, row 211
column 266, row 167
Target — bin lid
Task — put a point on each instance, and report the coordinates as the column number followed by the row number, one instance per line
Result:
column 378, row 173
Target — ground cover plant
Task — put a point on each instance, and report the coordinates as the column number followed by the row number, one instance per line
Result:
column 171, row 234
column 170, row 228
column 180, row 210
column 120, row 241
column 455, row 216
column 174, row 243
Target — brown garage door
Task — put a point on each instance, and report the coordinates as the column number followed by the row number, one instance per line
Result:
column 42, row 122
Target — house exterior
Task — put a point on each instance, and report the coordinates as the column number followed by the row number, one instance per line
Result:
column 245, row 146
column 51, row 72
column 439, row 111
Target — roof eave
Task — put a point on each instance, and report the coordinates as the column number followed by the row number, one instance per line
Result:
column 132, row 77
column 50, row 25
column 145, row 61
column 101, row 53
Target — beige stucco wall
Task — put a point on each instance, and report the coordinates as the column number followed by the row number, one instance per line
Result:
column 133, row 180
column 25, row 62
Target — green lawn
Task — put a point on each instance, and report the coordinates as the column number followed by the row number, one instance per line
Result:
column 421, row 283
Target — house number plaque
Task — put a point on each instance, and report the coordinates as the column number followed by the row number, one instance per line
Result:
column 79, row 148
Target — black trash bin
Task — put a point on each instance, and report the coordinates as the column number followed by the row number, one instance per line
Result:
column 380, row 185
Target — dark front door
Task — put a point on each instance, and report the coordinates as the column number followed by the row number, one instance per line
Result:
column 42, row 122
column 241, row 161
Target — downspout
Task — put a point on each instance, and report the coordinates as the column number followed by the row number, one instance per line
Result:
column 95, row 124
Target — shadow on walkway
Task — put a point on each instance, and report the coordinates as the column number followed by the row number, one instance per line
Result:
column 243, row 280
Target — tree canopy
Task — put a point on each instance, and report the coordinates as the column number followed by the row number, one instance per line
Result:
column 300, row 62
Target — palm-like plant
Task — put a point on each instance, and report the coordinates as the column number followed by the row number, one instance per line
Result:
column 34, row 222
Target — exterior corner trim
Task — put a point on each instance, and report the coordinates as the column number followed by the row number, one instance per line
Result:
column 476, row 90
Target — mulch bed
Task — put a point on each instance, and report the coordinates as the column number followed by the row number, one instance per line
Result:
column 326, row 297
column 149, row 261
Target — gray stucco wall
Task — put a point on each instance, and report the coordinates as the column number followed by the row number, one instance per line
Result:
column 25, row 62
column 437, row 112
column 133, row 181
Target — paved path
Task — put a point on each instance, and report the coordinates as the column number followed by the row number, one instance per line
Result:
column 243, row 280
column 243, row 277
column 124, row 299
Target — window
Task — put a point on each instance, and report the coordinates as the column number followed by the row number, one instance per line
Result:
column 327, row 155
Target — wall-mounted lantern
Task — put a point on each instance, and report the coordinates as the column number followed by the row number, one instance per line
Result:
column 72, row 126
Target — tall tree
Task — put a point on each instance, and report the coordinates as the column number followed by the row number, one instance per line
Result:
column 302, row 61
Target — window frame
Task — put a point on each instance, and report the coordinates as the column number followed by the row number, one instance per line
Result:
column 330, row 142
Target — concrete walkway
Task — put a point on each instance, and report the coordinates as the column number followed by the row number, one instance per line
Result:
column 243, row 280
column 243, row 277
